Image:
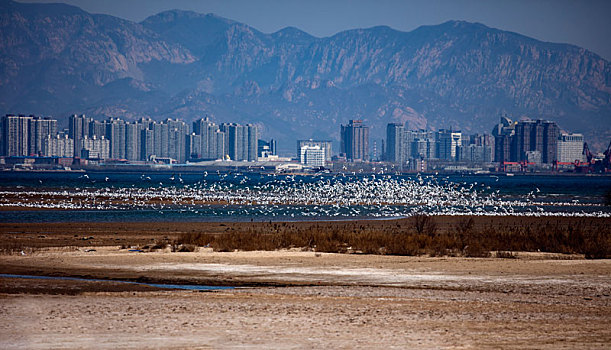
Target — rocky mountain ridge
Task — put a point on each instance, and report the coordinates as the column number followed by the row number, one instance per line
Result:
column 57, row 59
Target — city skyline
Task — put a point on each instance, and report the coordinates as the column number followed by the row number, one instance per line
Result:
column 536, row 142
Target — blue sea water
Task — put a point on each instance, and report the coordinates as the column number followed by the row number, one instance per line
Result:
column 312, row 197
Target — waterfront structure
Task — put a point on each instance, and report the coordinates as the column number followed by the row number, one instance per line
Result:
column 533, row 157
column 355, row 141
column 570, row 147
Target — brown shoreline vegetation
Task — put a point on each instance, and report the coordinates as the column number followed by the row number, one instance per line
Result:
column 417, row 235
column 469, row 236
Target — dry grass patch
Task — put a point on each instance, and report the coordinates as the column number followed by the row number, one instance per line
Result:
column 419, row 237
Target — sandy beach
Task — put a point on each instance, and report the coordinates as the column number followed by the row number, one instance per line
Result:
column 302, row 299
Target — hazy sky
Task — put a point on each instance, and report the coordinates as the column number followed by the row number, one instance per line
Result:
column 586, row 23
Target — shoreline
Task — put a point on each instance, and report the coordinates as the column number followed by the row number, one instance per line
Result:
column 227, row 169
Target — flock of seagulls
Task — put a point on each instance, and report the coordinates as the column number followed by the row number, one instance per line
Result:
column 290, row 196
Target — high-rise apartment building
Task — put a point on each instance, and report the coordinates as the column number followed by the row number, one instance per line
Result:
column 39, row 130
column 355, row 141
column 420, row 144
column 504, row 140
column 97, row 129
column 160, row 139
column 526, row 139
column 448, row 143
column 240, row 141
column 550, row 142
column 132, row 141
column 194, row 146
column 15, row 135
column 115, row 134
column 536, row 136
column 147, row 144
column 570, row 147
column 216, row 145
column 177, row 133
column 212, row 144
column 403, row 145
column 394, row 143
column 78, row 128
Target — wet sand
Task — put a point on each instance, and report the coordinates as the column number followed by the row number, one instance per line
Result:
column 291, row 298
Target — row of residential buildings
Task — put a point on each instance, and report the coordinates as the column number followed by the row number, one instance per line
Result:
column 170, row 140
column 449, row 145
column 535, row 142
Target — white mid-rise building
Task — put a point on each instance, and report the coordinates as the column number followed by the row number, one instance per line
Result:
column 570, row 147
column 312, row 155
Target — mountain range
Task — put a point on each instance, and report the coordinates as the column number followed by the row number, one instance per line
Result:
column 58, row 60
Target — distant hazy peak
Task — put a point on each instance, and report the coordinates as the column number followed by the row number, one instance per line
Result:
column 35, row 9
column 177, row 15
column 292, row 32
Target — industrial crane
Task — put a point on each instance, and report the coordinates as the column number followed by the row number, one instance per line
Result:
column 586, row 152
column 595, row 165
column 591, row 165
column 607, row 159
